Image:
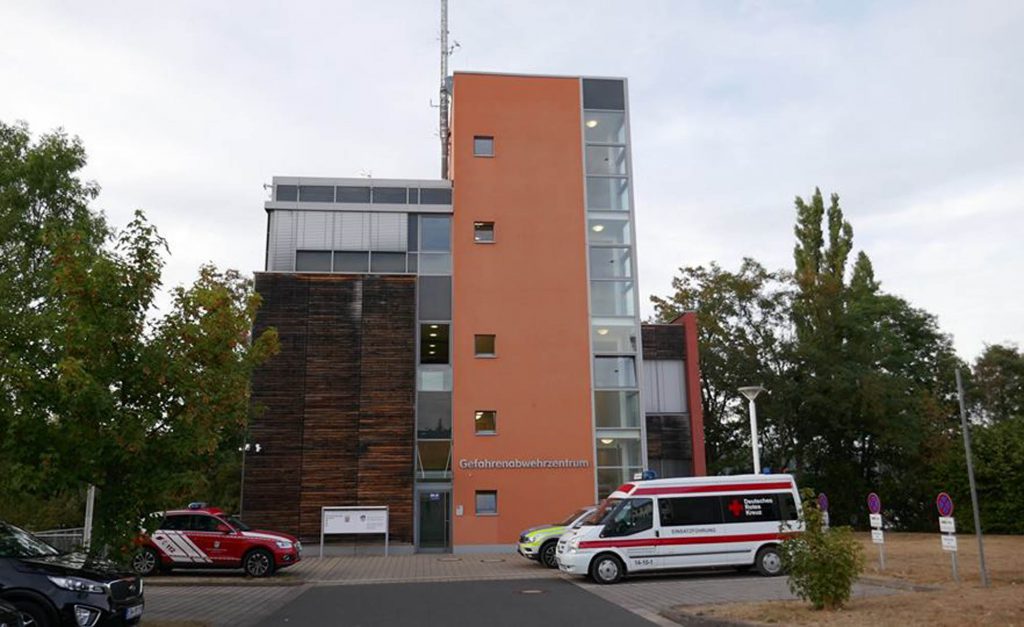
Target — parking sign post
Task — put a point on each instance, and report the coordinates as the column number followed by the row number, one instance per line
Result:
column 877, row 535
column 947, row 527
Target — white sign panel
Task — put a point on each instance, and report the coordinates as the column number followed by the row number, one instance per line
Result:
column 949, row 543
column 947, row 524
column 877, row 536
column 356, row 521
column 876, row 521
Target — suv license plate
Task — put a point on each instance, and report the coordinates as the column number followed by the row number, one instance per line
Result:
column 134, row 611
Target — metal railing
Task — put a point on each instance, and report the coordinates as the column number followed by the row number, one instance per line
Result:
column 64, row 540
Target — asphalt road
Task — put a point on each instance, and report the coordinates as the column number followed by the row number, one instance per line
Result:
column 537, row 603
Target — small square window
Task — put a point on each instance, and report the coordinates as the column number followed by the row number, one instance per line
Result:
column 486, row 502
column 483, row 345
column 483, row 146
column 485, row 422
column 483, row 232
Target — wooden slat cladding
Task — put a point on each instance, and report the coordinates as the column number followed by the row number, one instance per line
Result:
column 349, row 384
column 663, row 341
column 273, row 476
column 386, row 400
column 668, row 437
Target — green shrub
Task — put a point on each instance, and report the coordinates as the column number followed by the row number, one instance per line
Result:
column 822, row 563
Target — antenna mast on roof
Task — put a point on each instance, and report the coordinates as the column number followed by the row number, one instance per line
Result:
column 444, row 89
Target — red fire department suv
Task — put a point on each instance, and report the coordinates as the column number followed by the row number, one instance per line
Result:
column 204, row 537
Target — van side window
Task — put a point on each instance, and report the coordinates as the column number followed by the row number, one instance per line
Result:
column 690, row 510
column 631, row 516
column 787, row 507
column 746, row 508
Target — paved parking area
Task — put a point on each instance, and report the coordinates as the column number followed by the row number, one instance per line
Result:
column 230, row 600
column 509, row 603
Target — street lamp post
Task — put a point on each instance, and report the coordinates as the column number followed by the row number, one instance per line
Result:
column 751, row 392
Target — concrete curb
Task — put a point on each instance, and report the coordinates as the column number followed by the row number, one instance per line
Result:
column 898, row 584
column 222, row 582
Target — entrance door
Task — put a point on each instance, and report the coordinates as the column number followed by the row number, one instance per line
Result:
column 433, row 520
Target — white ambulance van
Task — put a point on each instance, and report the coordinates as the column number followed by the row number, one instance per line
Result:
column 668, row 524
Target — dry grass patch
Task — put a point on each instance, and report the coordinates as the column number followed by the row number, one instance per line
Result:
column 914, row 558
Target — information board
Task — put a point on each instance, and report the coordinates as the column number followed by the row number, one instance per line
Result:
column 354, row 520
column 948, row 543
column 370, row 520
column 877, row 536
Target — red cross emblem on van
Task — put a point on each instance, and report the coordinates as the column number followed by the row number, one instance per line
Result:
column 736, row 508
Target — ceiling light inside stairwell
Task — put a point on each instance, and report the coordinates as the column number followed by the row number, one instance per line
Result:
column 606, row 440
column 602, row 331
column 597, row 228
column 591, row 123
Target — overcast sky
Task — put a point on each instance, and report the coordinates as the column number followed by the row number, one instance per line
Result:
column 912, row 111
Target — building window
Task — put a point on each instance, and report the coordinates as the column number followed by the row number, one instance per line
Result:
column 287, row 192
column 316, row 193
column 435, row 195
column 435, row 297
column 389, row 195
column 312, row 261
column 347, row 261
column 433, row 343
column 603, row 93
column 354, row 194
column 435, row 233
column 434, row 416
column 387, row 262
column 483, row 232
column 485, row 422
column 483, row 146
column 483, row 345
column 486, row 502
column 614, row 372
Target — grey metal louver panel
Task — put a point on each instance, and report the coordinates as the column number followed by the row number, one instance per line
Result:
column 281, row 247
column 389, row 231
column 354, row 233
column 315, row 230
column 664, row 386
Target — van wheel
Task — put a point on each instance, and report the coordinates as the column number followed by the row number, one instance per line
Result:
column 768, row 561
column 607, row 568
column 258, row 563
column 549, row 554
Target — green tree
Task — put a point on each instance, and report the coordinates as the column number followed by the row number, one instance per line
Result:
column 100, row 389
column 998, row 383
column 861, row 385
column 743, row 335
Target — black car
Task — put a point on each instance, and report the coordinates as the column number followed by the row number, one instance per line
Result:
column 53, row 589
column 10, row 616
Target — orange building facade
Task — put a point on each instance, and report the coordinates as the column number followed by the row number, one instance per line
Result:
column 517, row 382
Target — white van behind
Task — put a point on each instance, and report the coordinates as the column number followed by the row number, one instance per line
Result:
column 692, row 522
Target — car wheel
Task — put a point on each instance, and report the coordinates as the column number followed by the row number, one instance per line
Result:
column 768, row 561
column 33, row 614
column 607, row 568
column 549, row 553
column 258, row 563
column 146, row 562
